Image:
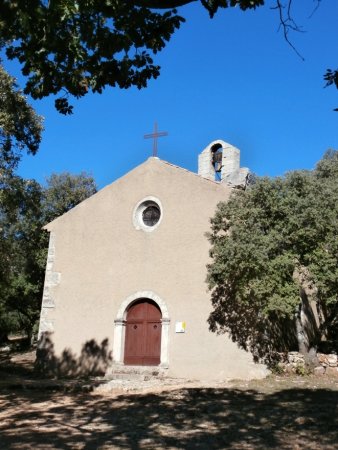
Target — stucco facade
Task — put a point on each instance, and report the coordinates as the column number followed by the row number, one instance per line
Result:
column 100, row 262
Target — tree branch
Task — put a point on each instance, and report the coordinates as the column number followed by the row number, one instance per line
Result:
column 315, row 8
column 287, row 23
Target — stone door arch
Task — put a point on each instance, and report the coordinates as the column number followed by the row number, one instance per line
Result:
column 121, row 326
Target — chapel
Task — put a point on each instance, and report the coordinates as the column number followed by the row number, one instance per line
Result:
column 126, row 273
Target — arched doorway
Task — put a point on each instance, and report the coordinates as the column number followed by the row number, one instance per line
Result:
column 143, row 334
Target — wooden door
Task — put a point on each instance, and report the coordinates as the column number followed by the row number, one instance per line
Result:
column 143, row 334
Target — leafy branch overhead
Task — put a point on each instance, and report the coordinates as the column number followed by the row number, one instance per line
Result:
column 75, row 47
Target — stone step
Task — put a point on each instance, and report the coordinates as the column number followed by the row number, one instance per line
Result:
column 137, row 373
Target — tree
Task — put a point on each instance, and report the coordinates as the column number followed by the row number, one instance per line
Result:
column 25, row 207
column 273, row 275
column 73, row 48
column 20, row 130
column 64, row 191
column 20, row 126
column 21, row 274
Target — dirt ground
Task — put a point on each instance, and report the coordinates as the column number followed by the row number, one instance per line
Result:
column 279, row 412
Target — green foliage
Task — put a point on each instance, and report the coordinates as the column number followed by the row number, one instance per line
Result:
column 303, row 370
column 260, row 240
column 20, row 126
column 21, row 276
column 64, row 191
column 277, row 369
column 25, row 207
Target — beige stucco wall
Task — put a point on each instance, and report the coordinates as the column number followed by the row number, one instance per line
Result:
column 100, row 259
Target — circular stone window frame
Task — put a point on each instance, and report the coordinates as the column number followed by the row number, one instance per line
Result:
column 140, row 208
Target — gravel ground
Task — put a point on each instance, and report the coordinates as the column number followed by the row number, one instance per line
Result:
column 278, row 412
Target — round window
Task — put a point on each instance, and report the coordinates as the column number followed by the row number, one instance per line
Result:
column 151, row 215
column 147, row 214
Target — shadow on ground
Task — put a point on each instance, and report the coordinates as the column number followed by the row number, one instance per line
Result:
column 17, row 365
column 190, row 418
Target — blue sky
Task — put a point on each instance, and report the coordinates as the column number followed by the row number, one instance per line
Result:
column 233, row 78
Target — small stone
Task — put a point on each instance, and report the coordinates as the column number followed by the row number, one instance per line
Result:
column 295, row 357
column 288, row 368
column 5, row 349
column 319, row 371
column 322, row 358
column 332, row 360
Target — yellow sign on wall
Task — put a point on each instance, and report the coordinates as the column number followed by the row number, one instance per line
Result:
column 180, row 327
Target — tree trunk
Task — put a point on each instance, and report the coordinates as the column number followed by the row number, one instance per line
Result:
column 301, row 339
column 307, row 318
column 306, row 348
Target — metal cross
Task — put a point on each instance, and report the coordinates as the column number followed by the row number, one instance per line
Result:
column 155, row 135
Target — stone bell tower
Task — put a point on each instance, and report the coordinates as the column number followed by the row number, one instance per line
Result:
column 220, row 161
